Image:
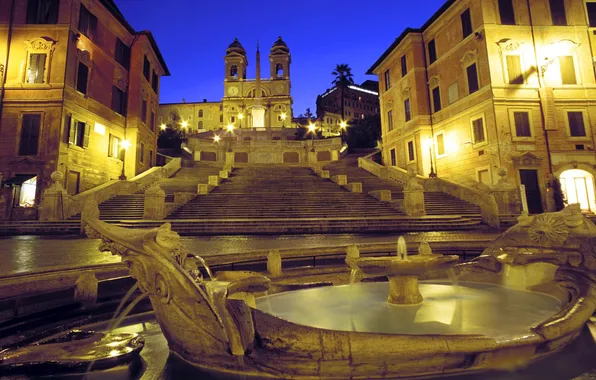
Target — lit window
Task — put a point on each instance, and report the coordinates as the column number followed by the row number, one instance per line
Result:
column 514, row 70
column 36, row 70
column 567, row 67
column 28, row 190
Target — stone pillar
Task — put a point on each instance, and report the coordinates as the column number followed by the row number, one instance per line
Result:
column 274, row 263
column 203, row 189
column 312, row 156
column 230, row 159
column 86, row 289
column 55, row 200
column 90, row 211
column 213, row 180
column 334, row 155
column 490, row 211
column 414, row 196
column 506, row 195
column 155, row 203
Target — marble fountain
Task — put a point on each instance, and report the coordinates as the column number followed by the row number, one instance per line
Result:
column 526, row 297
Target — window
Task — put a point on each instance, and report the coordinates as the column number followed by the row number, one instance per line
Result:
column 146, row 68
column 114, row 148
column 27, row 192
column 577, row 128
column 440, row 144
column 87, row 23
column 154, row 81
column 152, row 121
column 82, row 75
column 557, row 12
column 506, row 12
column 404, row 66
column 472, row 78
column 483, row 176
column 221, row 118
column 42, row 11
column 522, row 124
column 466, row 23
column 453, row 93
column 393, row 158
column 591, row 7
column 514, row 70
column 119, row 101
column 36, row 70
column 387, row 80
column 436, row 92
column 144, row 111
column 407, row 111
column 478, row 132
column 200, row 113
column 411, row 153
column 390, row 120
column 200, row 124
column 432, row 51
column 150, row 157
column 122, row 54
column 30, row 125
column 567, row 66
column 142, row 153
column 79, row 133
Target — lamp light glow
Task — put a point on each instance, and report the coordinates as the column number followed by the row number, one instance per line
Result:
column 230, row 127
column 125, row 144
column 185, row 124
column 216, row 138
column 163, row 127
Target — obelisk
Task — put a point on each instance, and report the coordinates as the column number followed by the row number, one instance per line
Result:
column 258, row 111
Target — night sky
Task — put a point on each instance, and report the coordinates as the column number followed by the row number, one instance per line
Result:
column 194, row 34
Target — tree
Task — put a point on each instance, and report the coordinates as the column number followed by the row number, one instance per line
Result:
column 364, row 133
column 343, row 78
column 173, row 136
column 308, row 114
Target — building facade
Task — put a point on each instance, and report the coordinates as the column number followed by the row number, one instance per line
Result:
column 493, row 86
column 77, row 81
column 239, row 98
column 359, row 101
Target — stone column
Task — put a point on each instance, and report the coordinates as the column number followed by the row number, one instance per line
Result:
column 230, row 160
column 90, row 211
column 414, row 196
column 55, row 200
column 155, row 203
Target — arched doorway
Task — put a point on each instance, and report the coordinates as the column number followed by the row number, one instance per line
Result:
column 578, row 187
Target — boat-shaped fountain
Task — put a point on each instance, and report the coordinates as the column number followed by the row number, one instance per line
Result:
column 526, row 297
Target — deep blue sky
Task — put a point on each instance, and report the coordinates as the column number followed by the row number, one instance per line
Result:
column 194, row 34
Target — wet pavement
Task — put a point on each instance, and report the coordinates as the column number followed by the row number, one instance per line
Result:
column 20, row 254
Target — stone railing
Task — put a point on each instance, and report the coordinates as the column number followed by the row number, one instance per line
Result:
column 489, row 206
column 75, row 204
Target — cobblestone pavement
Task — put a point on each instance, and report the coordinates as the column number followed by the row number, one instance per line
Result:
column 20, row 254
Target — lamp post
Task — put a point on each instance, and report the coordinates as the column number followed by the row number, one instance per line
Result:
column 240, row 117
column 342, row 126
column 312, row 128
column 432, row 173
column 124, row 144
column 283, row 120
column 230, row 129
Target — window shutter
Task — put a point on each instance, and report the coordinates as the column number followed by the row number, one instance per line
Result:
column 567, row 70
column 514, row 69
column 72, row 134
column 86, row 136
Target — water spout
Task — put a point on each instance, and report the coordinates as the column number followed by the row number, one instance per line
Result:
column 402, row 249
column 205, row 266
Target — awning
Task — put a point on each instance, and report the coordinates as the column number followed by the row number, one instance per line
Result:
column 18, row 179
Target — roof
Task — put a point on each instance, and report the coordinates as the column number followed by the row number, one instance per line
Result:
column 111, row 6
column 407, row 31
column 189, row 103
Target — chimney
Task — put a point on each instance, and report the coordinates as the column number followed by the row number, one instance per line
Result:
column 204, row 100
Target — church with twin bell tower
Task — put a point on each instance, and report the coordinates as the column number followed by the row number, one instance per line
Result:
column 261, row 103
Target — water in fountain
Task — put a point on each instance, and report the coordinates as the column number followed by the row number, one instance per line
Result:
column 205, row 266
column 402, row 249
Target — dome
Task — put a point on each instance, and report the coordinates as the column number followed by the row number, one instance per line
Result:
column 280, row 46
column 236, row 47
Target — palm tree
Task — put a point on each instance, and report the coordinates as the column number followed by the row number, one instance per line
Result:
column 343, row 78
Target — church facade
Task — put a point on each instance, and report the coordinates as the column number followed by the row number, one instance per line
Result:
column 241, row 95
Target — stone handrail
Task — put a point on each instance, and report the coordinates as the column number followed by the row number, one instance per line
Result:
column 486, row 201
column 109, row 189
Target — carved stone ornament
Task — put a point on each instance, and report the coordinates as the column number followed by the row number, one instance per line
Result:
column 548, row 230
column 434, row 81
column 526, row 159
column 40, row 45
column 469, row 58
column 85, row 57
column 405, row 92
column 507, row 45
column 120, row 78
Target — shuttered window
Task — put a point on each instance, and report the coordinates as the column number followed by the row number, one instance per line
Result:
column 144, row 111
column 387, row 80
column 79, row 133
column 557, row 12
column 432, row 51
column 407, row 110
column 87, row 23
column 36, row 70
column 82, row 76
column 522, row 124
column 119, row 100
column 472, row 78
column 30, row 129
column 466, row 23
column 390, row 120
column 436, row 92
column 567, row 67
column 411, row 153
column 514, row 70
column 393, row 158
column 42, row 11
column 506, row 12
column 404, row 66
column 122, row 54
column 478, row 130
column 577, row 127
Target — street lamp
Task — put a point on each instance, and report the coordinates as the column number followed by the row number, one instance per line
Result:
column 216, row 138
column 185, row 124
column 230, row 129
column 312, row 128
column 162, row 127
column 432, row 173
column 283, row 120
column 124, row 144
column 342, row 126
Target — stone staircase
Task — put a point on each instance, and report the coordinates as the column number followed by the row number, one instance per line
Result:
column 436, row 203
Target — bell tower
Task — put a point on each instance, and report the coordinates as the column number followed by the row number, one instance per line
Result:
column 279, row 58
column 235, row 62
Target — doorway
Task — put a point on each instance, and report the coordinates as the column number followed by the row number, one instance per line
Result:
column 578, row 187
column 72, row 185
column 529, row 178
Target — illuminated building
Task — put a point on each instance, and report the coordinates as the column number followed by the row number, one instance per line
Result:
column 360, row 101
column 76, row 82
column 485, row 85
column 240, row 95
